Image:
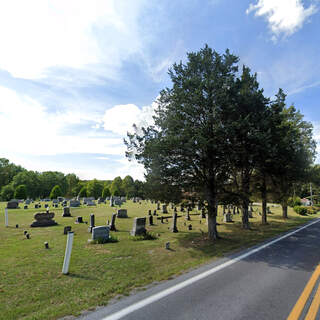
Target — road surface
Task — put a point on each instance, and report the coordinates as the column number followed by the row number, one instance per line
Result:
column 269, row 281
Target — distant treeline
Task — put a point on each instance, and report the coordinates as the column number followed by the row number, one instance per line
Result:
column 17, row 182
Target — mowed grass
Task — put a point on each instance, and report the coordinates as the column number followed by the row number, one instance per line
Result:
column 31, row 283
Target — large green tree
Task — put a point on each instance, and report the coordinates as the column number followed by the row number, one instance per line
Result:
column 31, row 180
column 94, row 188
column 128, row 186
column 294, row 152
column 246, row 124
column 8, row 171
column 116, row 187
column 186, row 146
column 56, row 192
column 20, row 192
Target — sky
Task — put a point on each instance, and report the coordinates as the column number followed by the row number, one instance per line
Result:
column 75, row 75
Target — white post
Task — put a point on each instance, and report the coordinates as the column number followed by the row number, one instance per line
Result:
column 6, row 217
column 66, row 262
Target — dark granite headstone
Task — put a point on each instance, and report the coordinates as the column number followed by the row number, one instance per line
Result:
column 174, row 223
column 66, row 229
column 43, row 219
column 113, row 222
column 139, row 226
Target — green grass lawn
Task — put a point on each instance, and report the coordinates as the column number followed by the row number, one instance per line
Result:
column 31, row 283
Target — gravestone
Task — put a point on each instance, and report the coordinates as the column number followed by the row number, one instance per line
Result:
column 74, row 203
column 43, row 219
column 66, row 229
column 36, row 206
column 150, row 220
column 174, row 223
column 13, row 204
column 64, row 203
column 227, row 217
column 268, row 210
column 158, row 206
column 46, row 205
column 113, row 222
column 25, row 207
column 100, row 233
column 66, row 212
column 203, row 213
column 55, row 201
column 139, row 226
column 149, row 212
column 111, row 202
column 154, row 212
column 164, row 209
column 55, row 205
column 28, row 201
column 122, row 213
column 91, row 222
column 60, row 199
column 79, row 220
column 91, row 203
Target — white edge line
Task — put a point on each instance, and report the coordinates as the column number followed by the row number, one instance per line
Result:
column 166, row 292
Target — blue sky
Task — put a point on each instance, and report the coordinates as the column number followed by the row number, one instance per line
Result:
column 75, row 75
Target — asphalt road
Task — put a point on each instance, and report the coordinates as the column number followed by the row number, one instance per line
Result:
column 263, row 284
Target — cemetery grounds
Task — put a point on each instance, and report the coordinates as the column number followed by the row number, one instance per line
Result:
column 33, row 287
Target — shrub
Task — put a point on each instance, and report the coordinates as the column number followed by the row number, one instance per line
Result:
column 294, row 201
column 7, row 192
column 111, row 239
column 312, row 210
column 106, row 192
column 55, row 192
column 20, row 192
column 300, row 210
column 146, row 236
column 83, row 192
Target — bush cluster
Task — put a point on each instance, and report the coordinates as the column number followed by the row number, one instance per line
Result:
column 300, row 210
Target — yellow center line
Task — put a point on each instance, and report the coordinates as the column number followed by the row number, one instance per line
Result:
column 298, row 308
column 313, row 310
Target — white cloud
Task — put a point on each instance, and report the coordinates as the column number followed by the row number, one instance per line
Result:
column 283, row 16
column 121, row 118
column 39, row 34
column 26, row 127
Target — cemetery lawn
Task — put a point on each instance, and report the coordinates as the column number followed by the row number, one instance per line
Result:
column 31, row 283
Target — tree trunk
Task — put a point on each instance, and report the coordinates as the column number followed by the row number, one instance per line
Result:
column 245, row 200
column 245, row 215
column 284, row 210
column 264, row 200
column 212, row 218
